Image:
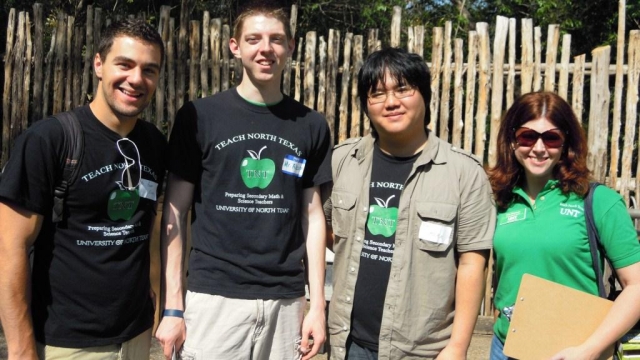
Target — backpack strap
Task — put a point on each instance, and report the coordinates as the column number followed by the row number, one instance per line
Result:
column 74, row 146
column 595, row 245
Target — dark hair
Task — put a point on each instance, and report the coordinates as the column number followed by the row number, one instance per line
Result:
column 265, row 9
column 404, row 67
column 571, row 170
column 135, row 28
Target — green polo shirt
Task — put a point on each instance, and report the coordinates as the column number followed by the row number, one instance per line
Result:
column 549, row 239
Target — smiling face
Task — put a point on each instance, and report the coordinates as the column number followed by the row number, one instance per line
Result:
column 538, row 160
column 263, row 48
column 128, row 77
column 396, row 118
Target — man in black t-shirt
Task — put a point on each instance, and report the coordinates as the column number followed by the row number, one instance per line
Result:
column 90, row 295
column 249, row 162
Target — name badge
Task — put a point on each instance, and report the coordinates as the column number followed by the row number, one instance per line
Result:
column 513, row 216
column 148, row 189
column 435, row 233
column 293, row 165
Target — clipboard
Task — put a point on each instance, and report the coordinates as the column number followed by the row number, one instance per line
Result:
column 548, row 317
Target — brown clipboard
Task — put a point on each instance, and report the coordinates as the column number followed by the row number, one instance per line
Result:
column 548, row 317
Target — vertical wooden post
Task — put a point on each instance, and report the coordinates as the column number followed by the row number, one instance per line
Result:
column 298, row 80
column 497, row 89
column 88, row 57
column 68, row 93
column 617, row 96
column 216, row 34
column 322, row 75
column 372, row 41
column 537, row 62
column 18, row 81
column 332, row 74
column 356, row 111
column 58, row 72
column 97, row 34
column 446, row 84
column 526, row 74
column 204, row 55
column 436, row 63
column 46, row 87
column 553, row 37
column 511, row 74
column 310, row 69
column 24, row 116
column 182, row 44
column 418, row 46
column 286, row 75
column 458, row 91
column 171, row 76
column 396, row 20
column 194, row 58
column 344, row 89
column 633, row 84
column 471, row 90
column 163, row 30
column 225, row 56
column 38, row 58
column 578, row 85
column 78, row 40
column 6, row 93
column 484, row 78
column 599, row 114
column 563, row 82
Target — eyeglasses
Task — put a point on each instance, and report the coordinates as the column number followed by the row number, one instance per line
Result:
column 552, row 139
column 401, row 92
column 129, row 147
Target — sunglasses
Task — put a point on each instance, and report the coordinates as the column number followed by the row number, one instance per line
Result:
column 552, row 139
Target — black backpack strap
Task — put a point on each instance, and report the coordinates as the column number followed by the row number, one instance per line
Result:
column 594, row 237
column 74, row 145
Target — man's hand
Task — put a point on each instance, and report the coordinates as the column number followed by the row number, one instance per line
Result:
column 313, row 326
column 575, row 353
column 452, row 353
column 171, row 334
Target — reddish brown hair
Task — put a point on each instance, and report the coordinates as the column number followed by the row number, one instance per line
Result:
column 571, row 170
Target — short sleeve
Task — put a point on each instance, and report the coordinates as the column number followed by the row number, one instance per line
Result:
column 185, row 154
column 30, row 174
column 319, row 164
column 477, row 215
column 615, row 227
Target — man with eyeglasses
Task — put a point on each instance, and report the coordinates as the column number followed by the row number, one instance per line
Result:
column 411, row 224
column 88, row 295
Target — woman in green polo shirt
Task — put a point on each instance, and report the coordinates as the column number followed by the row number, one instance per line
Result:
column 539, row 182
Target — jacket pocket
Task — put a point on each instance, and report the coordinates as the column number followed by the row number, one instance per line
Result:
column 343, row 212
column 435, row 226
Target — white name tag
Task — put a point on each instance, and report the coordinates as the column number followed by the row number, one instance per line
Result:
column 293, row 165
column 148, row 189
column 435, row 233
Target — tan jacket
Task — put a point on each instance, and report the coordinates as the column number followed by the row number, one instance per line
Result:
column 448, row 190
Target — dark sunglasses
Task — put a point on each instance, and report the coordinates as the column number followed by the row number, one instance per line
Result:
column 553, row 138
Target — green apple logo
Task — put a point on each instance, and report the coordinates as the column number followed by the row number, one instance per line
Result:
column 122, row 204
column 382, row 219
column 255, row 172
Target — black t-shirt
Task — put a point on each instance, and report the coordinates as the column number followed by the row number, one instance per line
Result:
column 90, row 280
column 388, row 176
column 250, row 165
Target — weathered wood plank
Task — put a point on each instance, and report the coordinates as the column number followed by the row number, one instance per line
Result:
column 6, row 93
column 58, row 69
column 226, row 54
column 497, row 88
column 297, row 83
column 194, row 58
column 286, row 75
column 617, row 95
column 633, row 84
column 396, row 21
column 163, row 30
column 484, row 78
column 216, row 35
column 38, row 59
column 97, row 34
column 88, row 58
column 78, row 41
column 526, row 75
column 511, row 73
column 171, row 76
column 344, row 89
column 418, row 46
column 46, row 87
column 578, row 86
column 436, row 66
column 182, row 47
column 472, row 55
column 24, row 116
column 445, row 96
column 322, row 75
column 553, row 37
column 310, row 69
column 458, row 93
column 537, row 45
column 356, row 111
column 599, row 114
column 17, row 82
column 68, row 60
column 333, row 53
column 204, row 55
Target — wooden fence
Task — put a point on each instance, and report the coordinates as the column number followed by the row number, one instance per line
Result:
column 470, row 90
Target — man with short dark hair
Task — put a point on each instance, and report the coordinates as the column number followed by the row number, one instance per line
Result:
column 412, row 223
column 88, row 295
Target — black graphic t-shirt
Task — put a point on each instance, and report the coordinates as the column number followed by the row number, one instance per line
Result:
column 388, row 176
column 250, row 165
column 90, row 280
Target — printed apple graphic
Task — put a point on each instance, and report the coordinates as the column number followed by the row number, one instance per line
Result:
column 122, row 204
column 256, row 172
column 382, row 219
